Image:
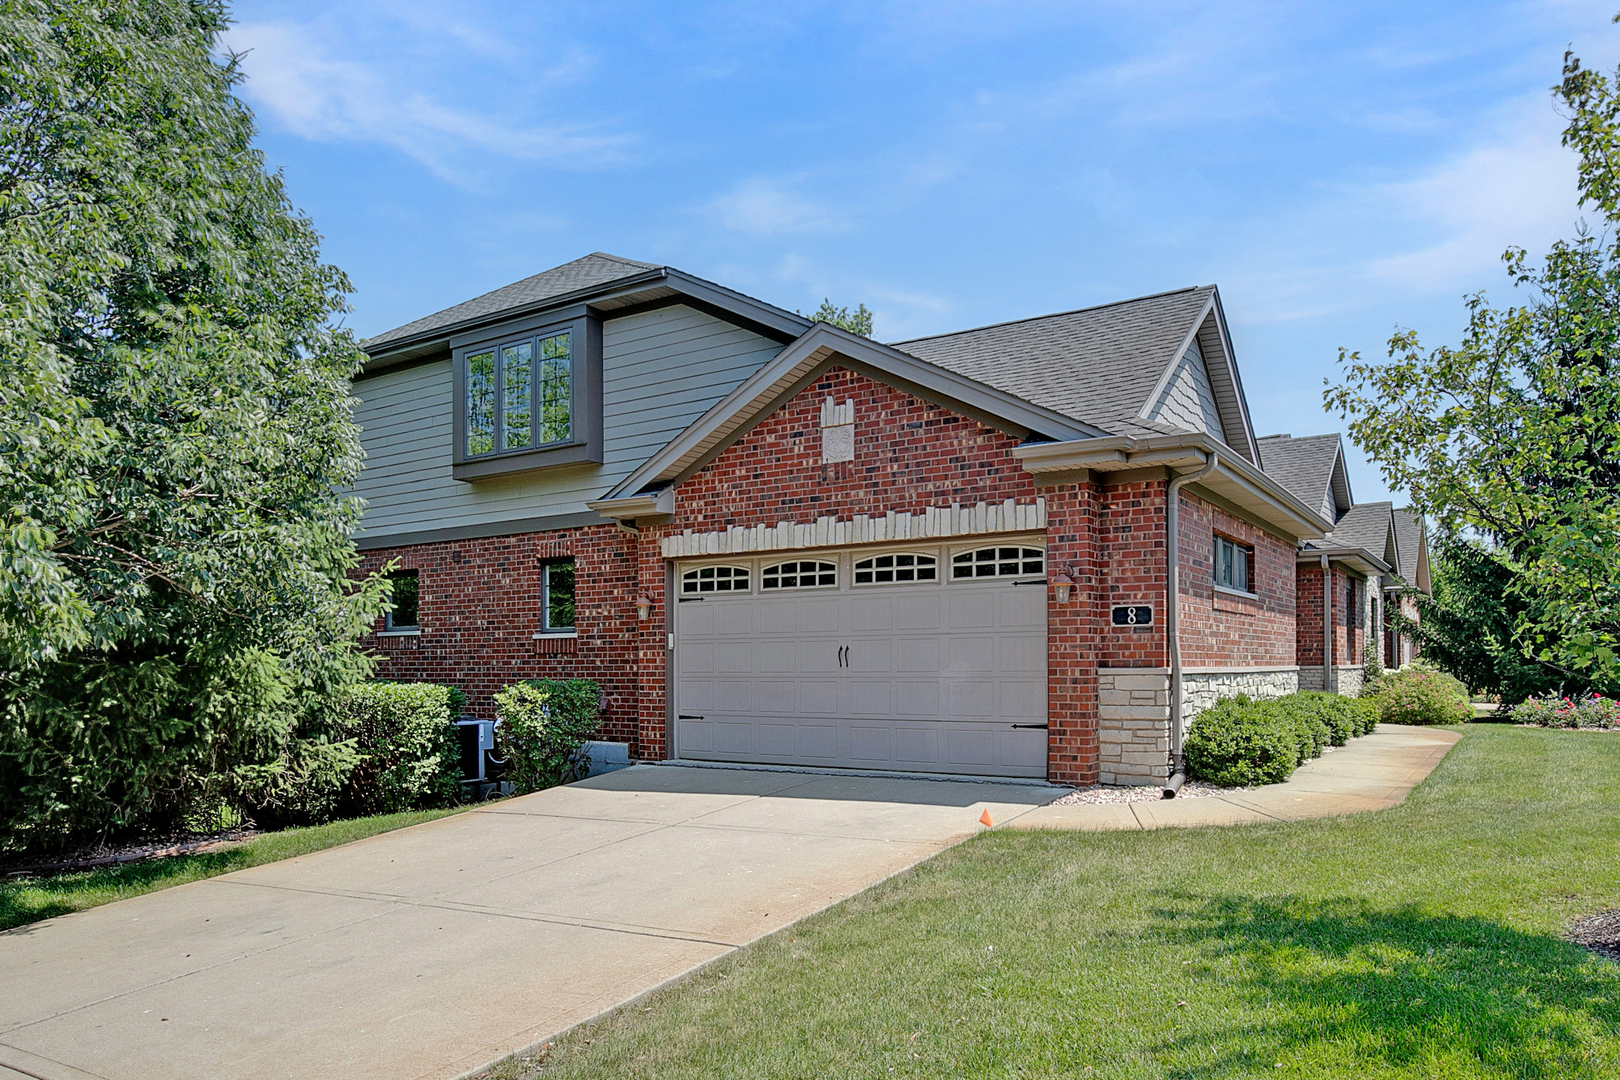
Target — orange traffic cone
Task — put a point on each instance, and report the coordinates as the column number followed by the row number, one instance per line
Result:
column 984, row 818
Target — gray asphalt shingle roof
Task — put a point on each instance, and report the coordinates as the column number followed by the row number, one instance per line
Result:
column 1304, row 465
column 1409, row 532
column 593, row 270
column 1097, row 365
column 1364, row 526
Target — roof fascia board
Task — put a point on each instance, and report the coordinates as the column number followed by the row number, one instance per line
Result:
column 782, row 325
column 1359, row 558
column 777, row 380
column 1230, row 358
column 1118, row 452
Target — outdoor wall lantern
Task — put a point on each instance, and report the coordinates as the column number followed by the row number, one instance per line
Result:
column 643, row 606
column 1061, row 585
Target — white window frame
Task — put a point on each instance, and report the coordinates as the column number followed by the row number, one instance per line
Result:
column 856, row 569
column 746, row 571
column 1024, row 548
column 822, row 566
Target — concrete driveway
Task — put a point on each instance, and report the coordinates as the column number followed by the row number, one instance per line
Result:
column 435, row 950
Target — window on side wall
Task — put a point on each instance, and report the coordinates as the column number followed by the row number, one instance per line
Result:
column 1233, row 565
column 557, row 597
column 405, row 592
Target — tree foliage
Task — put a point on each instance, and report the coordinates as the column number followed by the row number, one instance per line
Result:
column 858, row 321
column 1513, row 435
column 175, row 614
column 1468, row 627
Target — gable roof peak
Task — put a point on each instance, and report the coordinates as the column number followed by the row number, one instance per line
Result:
column 1058, row 314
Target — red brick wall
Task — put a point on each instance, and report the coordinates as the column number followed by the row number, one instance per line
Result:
column 1131, row 553
column 1073, row 633
column 1349, row 636
column 480, row 607
column 1222, row 630
column 909, row 455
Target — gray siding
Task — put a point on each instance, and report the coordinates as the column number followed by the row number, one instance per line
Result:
column 661, row 370
column 1189, row 402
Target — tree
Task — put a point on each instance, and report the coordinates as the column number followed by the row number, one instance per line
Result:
column 1468, row 626
column 858, row 321
column 176, row 614
column 1513, row 436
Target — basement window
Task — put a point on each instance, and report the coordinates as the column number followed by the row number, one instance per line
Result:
column 1232, row 565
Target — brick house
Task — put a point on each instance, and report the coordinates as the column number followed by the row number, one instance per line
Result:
column 1371, row 565
column 772, row 541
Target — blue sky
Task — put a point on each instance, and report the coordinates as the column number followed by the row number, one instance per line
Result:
column 1337, row 169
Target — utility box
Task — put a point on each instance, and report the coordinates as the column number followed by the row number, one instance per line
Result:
column 480, row 768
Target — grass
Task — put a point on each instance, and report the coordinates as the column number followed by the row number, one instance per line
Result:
column 27, row 900
column 1418, row 942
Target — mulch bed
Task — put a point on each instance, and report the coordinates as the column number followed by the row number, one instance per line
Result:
column 1599, row 932
column 96, row 856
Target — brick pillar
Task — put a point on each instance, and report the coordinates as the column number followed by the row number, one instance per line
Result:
column 652, row 650
column 1071, row 635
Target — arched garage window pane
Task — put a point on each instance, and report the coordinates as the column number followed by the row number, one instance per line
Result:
column 1001, row 561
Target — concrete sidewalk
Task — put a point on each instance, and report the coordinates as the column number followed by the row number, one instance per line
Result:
column 436, row 950
column 1373, row 772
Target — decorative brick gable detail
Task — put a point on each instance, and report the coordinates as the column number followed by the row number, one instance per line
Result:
column 479, row 609
column 909, row 455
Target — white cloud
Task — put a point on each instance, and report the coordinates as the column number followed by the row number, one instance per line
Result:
column 294, row 80
column 766, row 208
column 1516, row 186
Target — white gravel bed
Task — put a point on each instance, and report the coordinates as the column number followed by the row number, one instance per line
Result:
column 1097, row 793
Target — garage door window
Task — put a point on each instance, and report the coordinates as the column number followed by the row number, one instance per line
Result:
column 899, row 566
column 998, row 562
column 805, row 574
column 713, row 579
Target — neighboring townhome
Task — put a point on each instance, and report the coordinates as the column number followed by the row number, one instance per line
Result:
column 1348, row 579
column 773, row 541
column 1400, row 596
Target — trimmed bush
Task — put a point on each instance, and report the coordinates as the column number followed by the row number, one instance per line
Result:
column 1420, row 694
column 1239, row 742
column 544, row 722
column 408, row 753
column 1346, row 718
column 1593, row 712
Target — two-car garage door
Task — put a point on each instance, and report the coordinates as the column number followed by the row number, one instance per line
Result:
column 930, row 658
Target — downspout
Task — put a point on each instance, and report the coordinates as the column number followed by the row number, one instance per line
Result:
column 1172, row 606
column 1327, row 627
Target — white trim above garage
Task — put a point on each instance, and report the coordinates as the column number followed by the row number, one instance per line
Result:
column 934, row 523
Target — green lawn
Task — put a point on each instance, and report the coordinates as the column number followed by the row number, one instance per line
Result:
column 31, row 899
column 1417, row 942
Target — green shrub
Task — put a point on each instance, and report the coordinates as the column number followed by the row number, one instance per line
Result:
column 1345, row 717
column 1421, row 694
column 1309, row 724
column 409, row 757
column 544, row 722
column 1239, row 742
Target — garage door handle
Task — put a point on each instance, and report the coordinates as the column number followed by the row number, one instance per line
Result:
column 1038, row 727
column 687, row 716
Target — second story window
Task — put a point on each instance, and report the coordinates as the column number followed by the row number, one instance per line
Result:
column 1233, row 562
column 519, row 395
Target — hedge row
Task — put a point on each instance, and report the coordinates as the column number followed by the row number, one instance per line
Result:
column 1241, row 742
